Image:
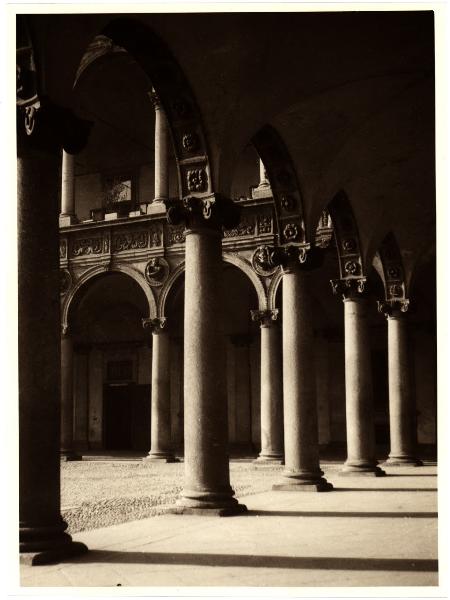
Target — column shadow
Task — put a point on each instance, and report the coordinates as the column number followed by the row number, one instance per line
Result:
column 384, row 489
column 266, row 562
column 374, row 515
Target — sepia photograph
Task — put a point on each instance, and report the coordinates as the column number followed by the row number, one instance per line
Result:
column 226, row 299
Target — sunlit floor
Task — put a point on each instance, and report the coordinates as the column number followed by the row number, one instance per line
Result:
column 367, row 532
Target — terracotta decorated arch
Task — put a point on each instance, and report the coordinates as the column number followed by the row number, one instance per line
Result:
column 97, row 271
column 346, row 235
column 285, row 188
column 173, row 92
column 392, row 268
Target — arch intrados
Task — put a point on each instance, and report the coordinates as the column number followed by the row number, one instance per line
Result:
column 81, row 286
column 176, row 97
column 231, row 259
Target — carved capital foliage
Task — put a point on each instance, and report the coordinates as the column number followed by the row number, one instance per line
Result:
column 214, row 211
column 155, row 326
column 267, row 259
column 393, row 308
column 349, row 288
column 265, row 317
column 156, row 271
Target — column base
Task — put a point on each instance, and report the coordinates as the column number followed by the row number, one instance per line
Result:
column 220, row 504
column 68, row 455
column 303, row 482
column 276, row 459
column 157, row 207
column 361, row 470
column 161, row 457
column 66, row 220
column 403, row 461
column 41, row 545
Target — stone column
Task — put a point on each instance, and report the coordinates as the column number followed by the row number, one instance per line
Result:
column 42, row 530
column 67, row 452
column 263, row 189
column 161, row 152
column 161, row 442
column 271, row 388
column 402, row 419
column 207, row 487
column 301, row 445
column 358, row 381
column 67, row 215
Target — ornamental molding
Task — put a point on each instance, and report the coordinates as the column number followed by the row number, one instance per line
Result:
column 156, row 271
column 245, row 228
column 135, row 240
column 87, row 246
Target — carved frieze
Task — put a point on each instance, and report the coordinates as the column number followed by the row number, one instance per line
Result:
column 245, row 228
column 135, row 240
column 86, row 246
column 156, row 271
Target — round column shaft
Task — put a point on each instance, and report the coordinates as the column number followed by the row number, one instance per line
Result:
column 67, row 452
column 161, row 443
column 207, row 484
column 67, row 215
column 401, row 407
column 161, row 153
column 42, row 536
column 271, row 388
column 358, row 391
column 301, row 446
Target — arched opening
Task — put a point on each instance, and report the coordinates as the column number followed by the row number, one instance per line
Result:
column 112, row 365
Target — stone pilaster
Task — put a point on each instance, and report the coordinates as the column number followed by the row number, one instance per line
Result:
column 67, row 215
column 271, row 387
column 67, row 364
column 401, row 404
column 161, row 443
column 207, row 487
column 301, row 445
column 43, row 129
column 358, row 381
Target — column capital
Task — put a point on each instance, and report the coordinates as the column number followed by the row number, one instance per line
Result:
column 289, row 258
column 393, row 308
column 265, row 318
column 213, row 211
column 349, row 288
column 44, row 127
column 155, row 325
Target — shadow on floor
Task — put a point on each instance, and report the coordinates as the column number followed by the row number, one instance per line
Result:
column 385, row 489
column 267, row 562
column 411, row 475
column 374, row 515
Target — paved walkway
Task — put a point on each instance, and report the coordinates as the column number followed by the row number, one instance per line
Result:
column 368, row 532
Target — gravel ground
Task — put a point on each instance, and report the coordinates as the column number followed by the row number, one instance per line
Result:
column 98, row 494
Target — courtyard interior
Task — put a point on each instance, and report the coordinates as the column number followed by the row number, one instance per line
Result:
column 368, row 531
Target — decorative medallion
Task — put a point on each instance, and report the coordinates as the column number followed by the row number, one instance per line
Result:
column 351, row 267
column 262, row 261
column 288, row 202
column 190, row 141
column 197, row 180
column 65, row 281
column 156, row 271
column 290, row 232
column 393, row 273
column 349, row 245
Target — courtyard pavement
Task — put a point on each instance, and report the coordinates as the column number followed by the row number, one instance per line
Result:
column 367, row 532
